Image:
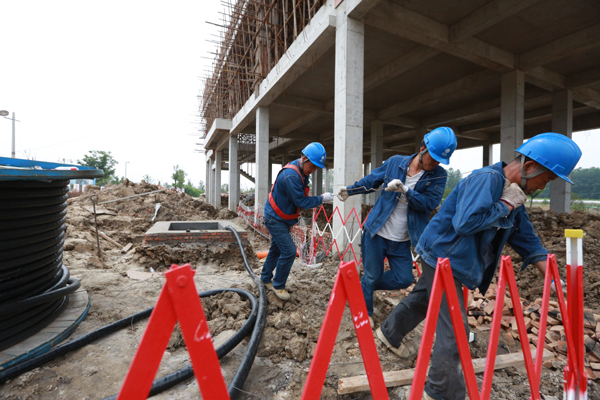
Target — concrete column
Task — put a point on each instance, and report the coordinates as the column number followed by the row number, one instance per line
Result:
column 376, row 152
column 366, row 171
column 218, row 163
column 348, row 122
column 207, row 182
column 234, row 174
column 262, row 155
column 562, row 122
column 419, row 135
column 211, row 192
column 270, row 173
column 317, row 182
column 511, row 114
column 488, row 154
column 327, row 182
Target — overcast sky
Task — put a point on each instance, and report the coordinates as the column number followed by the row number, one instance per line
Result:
column 121, row 76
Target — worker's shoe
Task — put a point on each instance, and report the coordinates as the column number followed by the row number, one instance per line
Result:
column 426, row 396
column 371, row 322
column 396, row 350
column 282, row 294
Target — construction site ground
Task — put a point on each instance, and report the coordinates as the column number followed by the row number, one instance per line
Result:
column 121, row 284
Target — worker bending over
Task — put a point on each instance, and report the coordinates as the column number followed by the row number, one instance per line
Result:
column 414, row 186
column 288, row 195
column 483, row 213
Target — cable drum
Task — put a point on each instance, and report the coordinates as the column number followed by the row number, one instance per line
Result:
column 31, row 256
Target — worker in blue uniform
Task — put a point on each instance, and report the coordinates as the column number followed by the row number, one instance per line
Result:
column 289, row 194
column 483, row 213
column 414, row 186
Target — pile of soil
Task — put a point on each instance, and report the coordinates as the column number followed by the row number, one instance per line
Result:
column 292, row 329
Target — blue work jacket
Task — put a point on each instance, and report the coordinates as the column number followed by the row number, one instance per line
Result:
column 472, row 227
column 288, row 193
column 426, row 195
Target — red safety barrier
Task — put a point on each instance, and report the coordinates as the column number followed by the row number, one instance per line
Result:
column 346, row 288
column 318, row 234
column 178, row 301
column 444, row 282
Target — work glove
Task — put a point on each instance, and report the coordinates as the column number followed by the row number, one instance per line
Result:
column 327, row 197
column 512, row 195
column 396, row 185
column 343, row 194
column 562, row 285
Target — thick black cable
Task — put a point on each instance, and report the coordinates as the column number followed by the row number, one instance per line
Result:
column 244, row 369
column 31, row 363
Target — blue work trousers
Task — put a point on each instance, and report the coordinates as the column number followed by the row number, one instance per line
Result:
column 374, row 252
column 282, row 254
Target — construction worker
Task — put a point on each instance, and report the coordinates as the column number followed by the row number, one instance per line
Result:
column 483, row 213
column 288, row 195
column 414, row 186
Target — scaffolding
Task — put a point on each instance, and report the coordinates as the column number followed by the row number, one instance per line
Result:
column 253, row 37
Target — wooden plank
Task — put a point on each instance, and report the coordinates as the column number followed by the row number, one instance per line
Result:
column 127, row 248
column 360, row 383
column 108, row 239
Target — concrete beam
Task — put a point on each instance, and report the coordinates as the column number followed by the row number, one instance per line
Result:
column 298, row 123
column 403, row 122
column 317, row 37
column 357, row 9
column 408, row 24
column 585, row 78
column 219, row 127
column 577, row 42
column 302, row 103
column 457, row 88
column 398, row 66
column 484, row 17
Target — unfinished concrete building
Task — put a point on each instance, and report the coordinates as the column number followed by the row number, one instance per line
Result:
column 368, row 78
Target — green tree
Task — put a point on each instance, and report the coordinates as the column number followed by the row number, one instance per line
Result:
column 101, row 160
column 178, row 177
column 191, row 190
column 225, row 188
column 201, row 186
column 148, row 179
column 454, row 176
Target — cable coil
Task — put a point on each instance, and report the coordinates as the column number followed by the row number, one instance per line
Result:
column 34, row 283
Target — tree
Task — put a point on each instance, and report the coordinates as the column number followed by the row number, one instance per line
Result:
column 225, row 188
column 191, row 190
column 101, row 160
column 148, row 179
column 454, row 176
column 201, row 186
column 178, row 177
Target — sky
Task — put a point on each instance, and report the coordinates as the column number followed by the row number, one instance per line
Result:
column 124, row 77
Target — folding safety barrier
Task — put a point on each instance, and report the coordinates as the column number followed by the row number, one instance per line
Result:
column 444, row 283
column 346, row 288
column 178, row 301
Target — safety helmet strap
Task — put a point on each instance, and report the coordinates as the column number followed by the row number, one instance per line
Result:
column 524, row 177
column 421, row 155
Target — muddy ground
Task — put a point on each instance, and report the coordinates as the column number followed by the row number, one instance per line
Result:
column 290, row 337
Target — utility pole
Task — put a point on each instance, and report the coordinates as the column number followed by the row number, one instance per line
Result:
column 4, row 113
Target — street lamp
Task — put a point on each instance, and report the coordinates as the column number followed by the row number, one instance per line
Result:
column 4, row 113
column 126, row 162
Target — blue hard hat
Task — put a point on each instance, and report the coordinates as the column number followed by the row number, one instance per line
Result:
column 441, row 143
column 315, row 153
column 556, row 152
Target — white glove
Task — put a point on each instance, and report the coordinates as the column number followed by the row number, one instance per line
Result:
column 562, row 285
column 343, row 194
column 327, row 197
column 513, row 195
column 396, row 185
